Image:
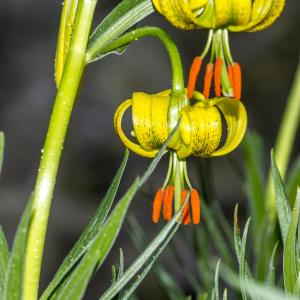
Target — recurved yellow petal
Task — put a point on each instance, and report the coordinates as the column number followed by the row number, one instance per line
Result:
column 236, row 118
column 201, row 130
column 150, row 119
column 273, row 14
column 128, row 143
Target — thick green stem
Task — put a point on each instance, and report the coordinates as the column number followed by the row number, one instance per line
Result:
column 285, row 140
column 52, row 150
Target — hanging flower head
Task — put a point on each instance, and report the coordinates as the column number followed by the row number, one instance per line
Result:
column 235, row 15
column 203, row 121
column 199, row 134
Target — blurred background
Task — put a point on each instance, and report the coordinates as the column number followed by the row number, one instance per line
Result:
column 92, row 153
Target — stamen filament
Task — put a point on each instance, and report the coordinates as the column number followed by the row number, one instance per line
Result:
column 168, row 201
column 217, row 76
column 208, row 79
column 157, row 205
column 186, row 211
column 195, row 202
column 237, row 81
column 230, row 74
column 194, row 71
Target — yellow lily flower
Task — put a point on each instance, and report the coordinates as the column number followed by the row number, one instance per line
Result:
column 235, row 15
column 199, row 134
column 200, row 127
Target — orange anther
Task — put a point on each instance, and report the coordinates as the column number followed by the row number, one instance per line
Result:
column 194, row 71
column 157, row 204
column 168, row 201
column 230, row 74
column 195, row 201
column 186, row 210
column 208, row 79
column 237, row 81
column 217, row 76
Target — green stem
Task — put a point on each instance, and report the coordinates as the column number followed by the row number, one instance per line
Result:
column 134, row 35
column 54, row 142
column 178, row 98
column 285, row 139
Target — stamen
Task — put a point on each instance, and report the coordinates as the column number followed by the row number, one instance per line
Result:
column 217, row 76
column 230, row 74
column 208, row 79
column 186, row 210
column 194, row 71
column 195, row 201
column 237, row 81
column 168, row 201
column 157, row 204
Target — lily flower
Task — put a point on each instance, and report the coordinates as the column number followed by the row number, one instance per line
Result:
column 199, row 134
column 235, row 15
column 208, row 126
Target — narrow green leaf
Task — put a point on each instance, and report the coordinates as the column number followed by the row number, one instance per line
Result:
column 293, row 181
column 236, row 234
column 225, row 295
column 297, row 286
column 122, row 18
column 213, row 295
column 76, row 284
column 223, row 222
column 216, row 234
column 4, row 259
column 262, row 292
column 203, row 296
column 253, row 151
column 282, row 205
column 270, row 281
column 14, row 278
column 2, row 144
column 121, row 265
column 169, row 285
column 139, row 263
column 158, row 156
column 217, row 280
column 243, row 265
column 148, row 266
column 89, row 232
column 289, row 255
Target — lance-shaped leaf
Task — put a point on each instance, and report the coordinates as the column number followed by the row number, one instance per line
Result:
column 122, row 18
column 89, row 232
column 4, row 259
column 144, row 257
column 14, row 278
column 282, row 204
column 290, row 255
column 76, row 284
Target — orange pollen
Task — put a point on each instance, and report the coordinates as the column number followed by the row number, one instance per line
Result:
column 195, row 201
column 186, row 210
column 168, row 201
column 194, row 71
column 217, row 76
column 230, row 74
column 208, row 79
column 237, row 81
column 157, row 204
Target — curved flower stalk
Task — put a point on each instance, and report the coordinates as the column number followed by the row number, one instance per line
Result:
column 199, row 133
column 235, row 15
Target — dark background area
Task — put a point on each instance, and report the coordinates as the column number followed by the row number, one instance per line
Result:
column 28, row 31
